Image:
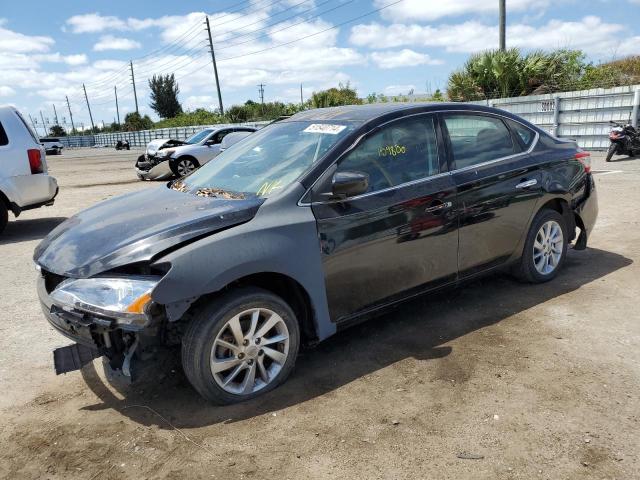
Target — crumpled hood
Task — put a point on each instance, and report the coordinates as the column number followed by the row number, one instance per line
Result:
column 154, row 145
column 135, row 227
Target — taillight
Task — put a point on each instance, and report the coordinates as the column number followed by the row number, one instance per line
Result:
column 585, row 159
column 35, row 160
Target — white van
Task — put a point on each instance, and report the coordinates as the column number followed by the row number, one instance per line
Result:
column 24, row 181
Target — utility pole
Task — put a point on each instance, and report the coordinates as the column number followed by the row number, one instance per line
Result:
column 93, row 127
column 44, row 125
column 115, row 90
column 215, row 67
column 503, row 24
column 55, row 114
column 133, row 82
column 33, row 124
column 301, row 98
column 261, row 92
column 73, row 127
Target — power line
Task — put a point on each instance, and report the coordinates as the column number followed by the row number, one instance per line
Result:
column 371, row 12
column 271, row 32
column 244, row 8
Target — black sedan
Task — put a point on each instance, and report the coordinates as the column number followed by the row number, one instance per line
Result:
column 305, row 227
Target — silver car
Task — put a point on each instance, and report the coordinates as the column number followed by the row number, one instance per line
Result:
column 165, row 158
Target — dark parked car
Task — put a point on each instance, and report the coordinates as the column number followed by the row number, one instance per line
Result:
column 305, row 227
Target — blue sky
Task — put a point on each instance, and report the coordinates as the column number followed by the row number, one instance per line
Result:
column 48, row 49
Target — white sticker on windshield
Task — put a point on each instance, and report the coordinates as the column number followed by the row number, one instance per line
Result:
column 324, row 128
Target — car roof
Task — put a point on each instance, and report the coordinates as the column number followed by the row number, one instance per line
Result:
column 366, row 113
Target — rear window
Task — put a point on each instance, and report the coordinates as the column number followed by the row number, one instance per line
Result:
column 33, row 135
column 477, row 139
column 3, row 136
column 524, row 134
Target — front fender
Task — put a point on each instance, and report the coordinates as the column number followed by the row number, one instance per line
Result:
column 282, row 238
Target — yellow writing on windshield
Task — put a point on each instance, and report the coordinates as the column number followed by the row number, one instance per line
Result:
column 392, row 150
column 268, row 187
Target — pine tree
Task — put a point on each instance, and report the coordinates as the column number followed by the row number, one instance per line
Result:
column 164, row 96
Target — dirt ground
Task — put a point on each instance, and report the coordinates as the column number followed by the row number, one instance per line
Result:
column 523, row 382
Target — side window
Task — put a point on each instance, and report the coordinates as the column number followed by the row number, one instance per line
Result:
column 477, row 138
column 403, row 151
column 3, row 137
column 524, row 134
column 217, row 138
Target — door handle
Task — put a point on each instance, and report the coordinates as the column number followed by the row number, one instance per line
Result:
column 527, row 183
column 439, row 206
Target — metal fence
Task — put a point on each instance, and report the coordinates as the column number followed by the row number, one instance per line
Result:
column 74, row 141
column 141, row 138
column 582, row 115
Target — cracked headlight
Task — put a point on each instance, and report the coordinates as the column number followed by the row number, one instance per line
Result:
column 124, row 299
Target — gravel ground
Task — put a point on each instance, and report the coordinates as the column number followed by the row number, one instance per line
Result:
column 521, row 381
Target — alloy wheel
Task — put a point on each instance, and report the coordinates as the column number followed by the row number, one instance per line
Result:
column 185, row 167
column 548, row 247
column 250, row 351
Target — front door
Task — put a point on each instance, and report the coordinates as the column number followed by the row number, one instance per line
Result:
column 497, row 185
column 399, row 237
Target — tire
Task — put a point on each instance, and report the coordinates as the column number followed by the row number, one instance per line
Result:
column 612, row 149
column 532, row 266
column 208, row 336
column 4, row 216
column 183, row 166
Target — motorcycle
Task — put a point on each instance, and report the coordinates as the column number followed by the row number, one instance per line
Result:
column 625, row 139
column 122, row 145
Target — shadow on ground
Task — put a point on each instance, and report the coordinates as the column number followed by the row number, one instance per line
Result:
column 420, row 329
column 29, row 229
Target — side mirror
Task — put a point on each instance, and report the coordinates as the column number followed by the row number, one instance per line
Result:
column 348, row 184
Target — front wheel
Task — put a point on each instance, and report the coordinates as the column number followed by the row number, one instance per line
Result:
column 183, row 166
column 612, row 150
column 240, row 346
column 545, row 248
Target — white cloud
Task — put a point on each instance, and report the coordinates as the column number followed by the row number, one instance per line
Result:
column 14, row 42
column 109, row 42
column 6, row 91
column 417, row 10
column 402, row 58
column 57, row 57
column 94, row 22
column 74, row 60
column 591, row 34
column 399, row 89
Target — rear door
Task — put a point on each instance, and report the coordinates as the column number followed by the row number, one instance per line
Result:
column 497, row 185
column 399, row 237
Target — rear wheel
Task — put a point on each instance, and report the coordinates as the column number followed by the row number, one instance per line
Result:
column 183, row 166
column 545, row 248
column 240, row 346
column 4, row 216
column 612, row 150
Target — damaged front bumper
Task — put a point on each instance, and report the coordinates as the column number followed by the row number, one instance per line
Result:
column 94, row 336
column 153, row 168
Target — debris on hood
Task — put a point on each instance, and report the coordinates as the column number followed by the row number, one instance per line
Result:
column 180, row 186
column 219, row 193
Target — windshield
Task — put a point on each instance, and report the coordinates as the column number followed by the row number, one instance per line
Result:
column 266, row 161
column 198, row 137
